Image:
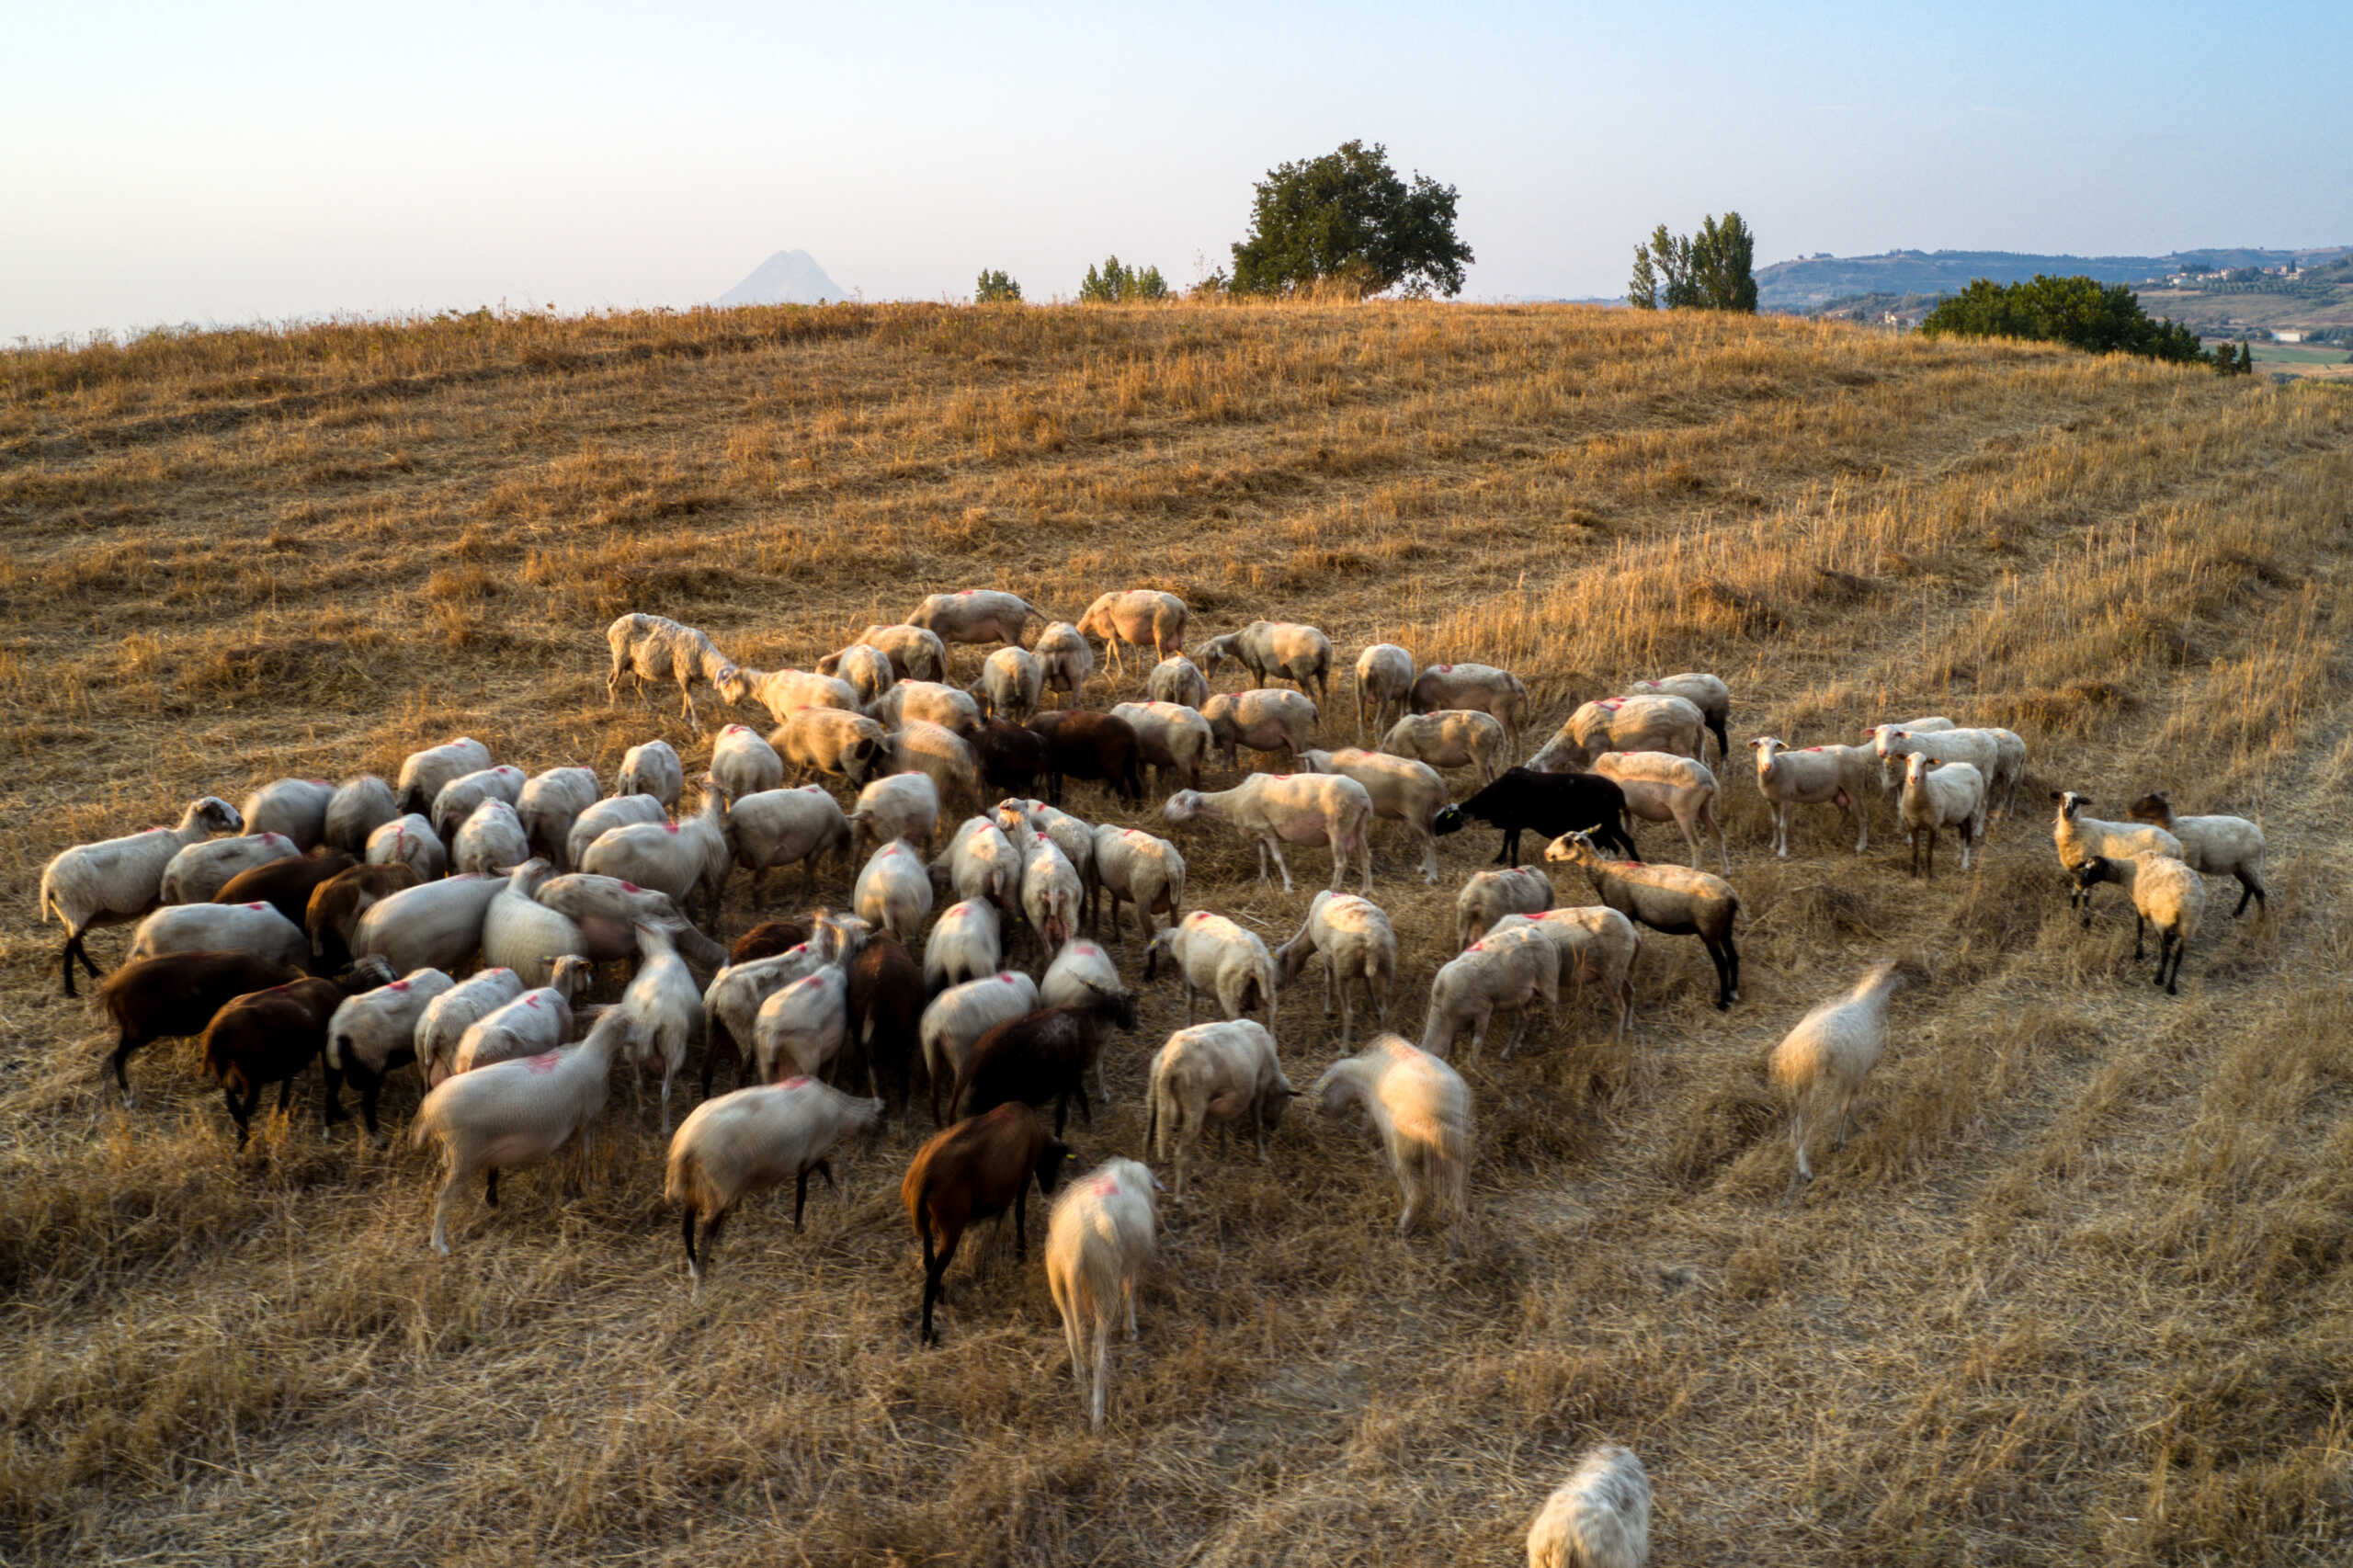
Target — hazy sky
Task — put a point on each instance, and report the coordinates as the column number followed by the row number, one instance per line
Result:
column 162, row 164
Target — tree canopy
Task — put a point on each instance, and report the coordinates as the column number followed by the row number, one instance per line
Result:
column 2105, row 318
column 1710, row 270
column 1112, row 284
column 1347, row 217
column 996, row 286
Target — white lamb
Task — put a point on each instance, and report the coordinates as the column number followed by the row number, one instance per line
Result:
column 1479, row 689
column 1463, row 738
column 1172, row 740
column 893, row 891
column 537, row 1021
column 1600, row 1516
column 2166, row 893
column 732, row 1003
column 654, row 647
column 1890, row 775
column 967, row 943
column 1838, row 776
column 1829, row 1053
column 490, row 840
column 754, row 1139
column 1284, row 649
column 200, row 870
column 256, row 928
column 431, row 926
column 1098, row 1243
column 1384, row 674
column 687, row 860
column 1358, row 945
column 1297, row 808
column 410, row 841
column 1075, row 836
column 1011, row 682
column 615, row 810
column 1598, row 947
column 1421, row 1109
column 1623, row 724
column 744, row 763
column 1937, row 796
column 520, row 933
column 651, row 767
column 375, row 1031
column 1503, row 971
column 1998, row 755
column 981, row 862
column 1275, row 723
column 116, row 880
column 1222, row 1072
column 1143, row 869
column 1213, row 954
column 1052, row 894
column 962, row 1015
column 1137, row 616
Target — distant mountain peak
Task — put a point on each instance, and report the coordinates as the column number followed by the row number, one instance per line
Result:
column 788, row 277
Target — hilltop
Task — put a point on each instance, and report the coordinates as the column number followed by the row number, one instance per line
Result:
column 1809, row 282
column 788, row 277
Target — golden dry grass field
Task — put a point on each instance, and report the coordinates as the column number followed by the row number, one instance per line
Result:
column 2079, row 1290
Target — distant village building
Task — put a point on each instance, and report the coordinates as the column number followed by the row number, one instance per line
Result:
column 2287, row 334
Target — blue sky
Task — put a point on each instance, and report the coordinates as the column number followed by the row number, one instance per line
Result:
column 161, row 163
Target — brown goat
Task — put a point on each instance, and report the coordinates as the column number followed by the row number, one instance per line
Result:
column 766, row 940
column 285, row 884
column 269, row 1037
column 1043, row 1056
column 886, row 1002
column 176, row 994
column 338, row 903
column 1083, row 744
column 1011, row 755
column 972, row 1171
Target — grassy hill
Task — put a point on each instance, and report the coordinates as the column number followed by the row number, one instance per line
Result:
column 2078, row 1288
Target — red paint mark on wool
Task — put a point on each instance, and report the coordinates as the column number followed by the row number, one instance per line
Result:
column 531, row 1001
column 1104, row 1186
column 257, row 906
column 1446, row 669
column 1006, row 978
column 543, row 1063
column 798, row 1081
column 1478, row 946
column 669, row 828
column 397, row 985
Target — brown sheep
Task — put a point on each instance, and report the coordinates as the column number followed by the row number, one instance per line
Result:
column 1084, row 744
column 766, row 940
column 175, row 994
column 269, row 1037
column 975, row 1170
column 336, row 904
column 287, row 884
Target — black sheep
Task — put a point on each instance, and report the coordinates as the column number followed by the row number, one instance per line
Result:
column 1043, row 1056
column 1547, row 803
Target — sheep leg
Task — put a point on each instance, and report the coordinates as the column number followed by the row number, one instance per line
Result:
column 241, row 1114
column 687, row 1228
column 934, row 1266
column 1805, row 1173
column 1724, row 974
column 1280, row 864
column 1780, row 835
column 1128, row 1287
column 1065, row 1294
column 1507, row 852
column 1102, row 1365
column 490, row 1188
column 801, row 1197
column 2248, row 889
column 124, row 1046
column 1021, row 1221
column 441, row 1209
column 2140, row 924
column 333, row 1112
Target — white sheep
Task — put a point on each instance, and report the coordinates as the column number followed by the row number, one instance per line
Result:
column 2165, row 893
column 835, row 743
column 1173, row 740
column 981, row 862
column 1275, row 723
column 520, row 933
column 1401, row 789
column 1137, row 616
column 730, row 1003
column 1664, row 724
column 295, row 807
column 448, row 1016
column 687, row 860
column 654, row 647
column 1052, row 894
column 2078, row 837
column 1221, row 1072
column 754, row 1139
column 1474, row 688
column 962, row 1015
column 1600, row 1516
column 1992, row 753
column 1421, row 1109
column 1828, row 1052
column 490, row 840
column 976, row 615
column 1706, row 692
column 893, row 891
column 902, row 806
column 744, row 763
column 651, row 767
column 600, row 818
column 1300, row 808
column 1284, row 649
column 1358, row 945
column 609, row 912
column 1097, row 1244
column 1838, row 776
column 1384, row 674
column 1662, row 787
column 1598, row 947
column 1081, row 969
column 967, row 943
column 200, row 870
column 933, row 702
column 1463, row 738
column 867, row 669
column 1178, row 680
column 375, row 1031
column 410, row 841
column 517, row 1113
column 939, row 754
column 1936, row 796
column 785, row 693
column 422, row 773
column 257, row 928
column 1671, row 900
column 116, row 880
column 1012, row 680
column 1073, row 836
column 1213, row 954
column 549, row 805
column 1145, row 871
column 1486, row 897
column 361, row 804
column 1891, row 776
column 665, row 1008
column 1503, row 971
column 457, row 798
column 914, row 652
column 537, row 1021
column 1066, row 658
column 2219, row 847
column 431, row 926
column 785, row 827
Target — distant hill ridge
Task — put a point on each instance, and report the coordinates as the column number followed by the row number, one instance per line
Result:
column 788, row 277
column 1809, row 282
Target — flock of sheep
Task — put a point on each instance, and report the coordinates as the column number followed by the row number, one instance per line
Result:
column 530, row 886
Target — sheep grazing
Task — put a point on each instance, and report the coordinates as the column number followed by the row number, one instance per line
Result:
column 914, row 652
column 422, row 773
column 198, row 873
column 977, row 615
column 656, row 648
column 1177, row 680
column 1011, row 755
column 538, row 1020
column 1487, row 896
column 744, row 763
column 1070, row 834
column 1889, row 775
column 785, row 827
column 1477, row 688
column 460, row 796
column 490, row 840
column 1052, row 892
column 1012, row 681
column 1828, row 1052
column 1098, row 1243
column 410, row 841
column 608, row 910
column 939, row 754
column 651, row 767
column 1080, row 745
column 448, row 1016
column 732, row 1003
column 431, row 926
column 1276, row 723
column 1661, row 787
column 1213, row 954
column 962, row 1015
column 1043, row 1056
column 753, row 1140
column 548, row 806
column 1172, row 740
column 932, row 702
column 836, row 745
column 1503, row 972
column 374, row 1032
column 1301, row 808
column 297, row 808
column 1284, row 649
column 1461, row 738
column 361, row 804
column 1664, row 724
column 1358, row 946
column 766, row 940
column 866, row 668
column 1838, row 776
column 520, row 933
column 1384, row 674
column 885, row 1018
column 257, row 928
column 116, row 880
column 665, row 1008
column 517, row 1113
column 901, row 807
column 1936, row 796
column 1600, row 1516
column 2165, row 893
column 1421, row 1109
column 785, row 693
column 1598, row 947
column 1550, row 804
column 1067, row 659
column 981, row 862
column 893, row 891
column 2219, row 847
column 687, row 860
column 1708, row 693
column 1224, row 1071
column 1670, row 899
column 286, row 886
column 173, row 995
column 973, row 1171
column 270, row 1036
column 1137, row 616
column 1145, row 871
column 1402, row 790
column 331, row 917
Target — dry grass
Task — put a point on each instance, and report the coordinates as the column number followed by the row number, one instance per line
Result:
column 2079, row 1290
